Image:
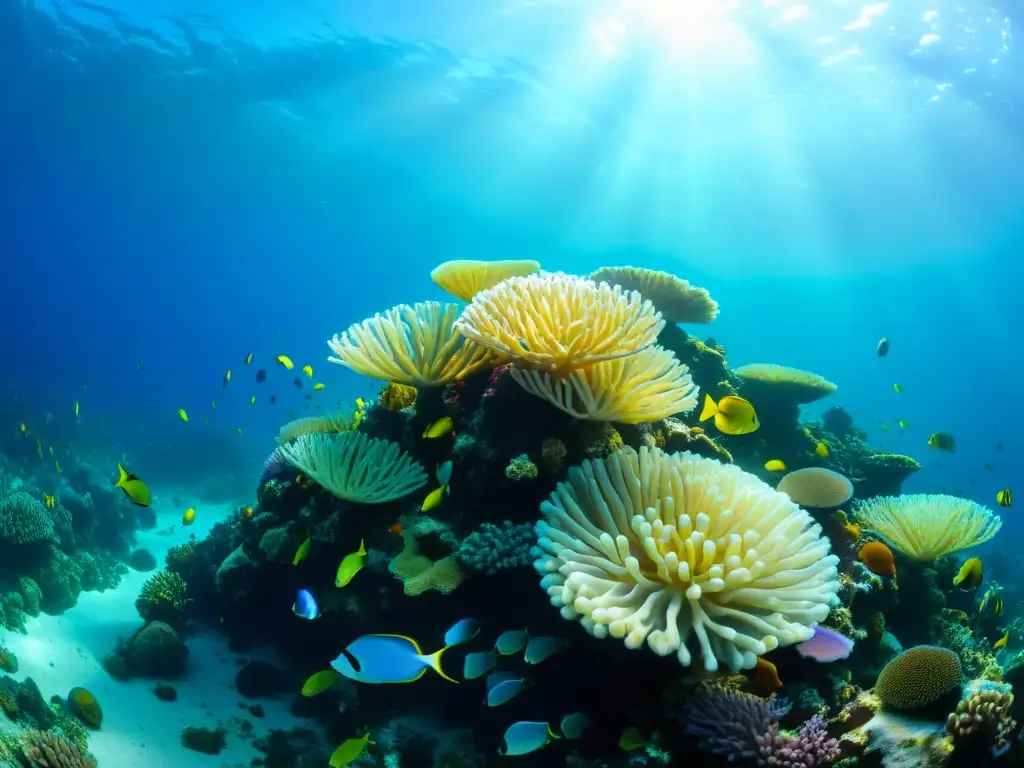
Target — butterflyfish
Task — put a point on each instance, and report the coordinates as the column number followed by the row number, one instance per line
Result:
column 350, row 565
column 285, row 361
column 821, row 449
column 227, row 379
column 261, row 375
column 573, row 726
column 248, row 358
column 825, row 645
column 631, row 739
column 378, row 659
column 970, row 575
column 308, row 370
column 349, row 751
column 182, row 415
column 136, row 490
column 189, row 517
column 775, row 465
column 502, row 687
column 511, row 642
column 478, row 664
column 539, row 649
column 318, row 386
column 305, row 606
column 319, row 682
column 991, row 605
column 462, row 632
column 443, row 426
column 733, row 415
column 883, row 347
column 302, row 552
column 1002, row 641
column 525, row 737
column 1004, row 498
column 942, row 441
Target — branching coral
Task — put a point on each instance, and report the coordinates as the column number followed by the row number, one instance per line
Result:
column 355, row 467
column 417, row 346
column 648, row 546
column 163, row 597
column 24, row 519
column 558, row 322
column 674, row 297
column 728, row 722
column 927, row 526
column 48, row 749
column 983, row 717
column 179, row 558
column 465, row 278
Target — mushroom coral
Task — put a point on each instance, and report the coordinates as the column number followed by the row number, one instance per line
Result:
column 675, row 298
column 643, row 545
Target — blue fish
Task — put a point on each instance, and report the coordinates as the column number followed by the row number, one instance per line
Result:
column 573, row 726
column 462, row 632
column 541, row 648
column 478, row 664
column 388, row 659
column 525, row 737
column 305, row 605
column 444, row 473
column 504, row 691
column 512, row 641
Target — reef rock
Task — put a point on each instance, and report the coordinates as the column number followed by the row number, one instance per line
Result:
column 156, row 650
column 234, row 572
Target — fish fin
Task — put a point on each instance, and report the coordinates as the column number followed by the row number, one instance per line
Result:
column 434, row 661
column 362, row 547
column 411, row 641
column 710, row 409
column 123, row 476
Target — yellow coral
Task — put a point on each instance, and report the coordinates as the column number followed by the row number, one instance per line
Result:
column 417, row 346
column 465, row 278
column 395, row 397
column 559, row 322
column 674, row 297
column 918, row 676
column 644, row 387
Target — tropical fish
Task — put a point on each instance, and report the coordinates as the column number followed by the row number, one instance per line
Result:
column 387, row 659
column 238, row 431
column 261, row 375
column 305, row 606
column 349, row 751
column 248, row 358
column 885, row 426
column 733, row 415
column 525, row 737
column 24, row 429
column 57, row 464
column 182, row 415
column 991, row 605
column 502, row 687
column 878, row 559
column 273, row 399
column 478, row 664
column 298, row 383
column 883, row 347
column 775, row 465
column 1002, row 641
column 226, row 380
column 540, row 648
column 434, row 498
column 462, row 632
column 898, row 388
column 825, row 645
column 439, row 428
column 319, row 682
column 76, row 409
column 302, row 552
column 50, row 501
column 318, row 386
column 39, row 448
column 350, row 565
column 970, row 575
column 308, row 370
column 631, row 739
column 766, row 675
column 821, row 449
column 136, row 490
column 1004, row 498
column 942, row 441
column 444, row 472
column 901, row 424
column 285, row 361
column 573, row 726
column 396, row 528
column 252, row 401
column 138, row 366
column 189, row 517
column 512, row 642
column 213, row 404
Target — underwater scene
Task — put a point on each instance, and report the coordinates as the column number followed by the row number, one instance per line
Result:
column 555, row 383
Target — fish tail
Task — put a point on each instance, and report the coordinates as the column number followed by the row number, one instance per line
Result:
column 710, row 408
column 362, row 547
column 434, row 662
column 122, row 476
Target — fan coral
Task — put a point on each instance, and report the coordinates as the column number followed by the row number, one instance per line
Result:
column 674, row 297
column 789, row 385
column 816, row 487
column 48, row 749
column 163, row 597
column 491, row 548
column 395, row 397
column 24, row 519
column 644, row 387
column 355, row 467
column 648, row 546
column 464, row 279
column 918, row 677
column 983, row 717
column 418, row 346
column 927, row 526
column 729, row 722
column 560, row 322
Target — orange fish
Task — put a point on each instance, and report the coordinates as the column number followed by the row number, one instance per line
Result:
column 878, row 559
column 766, row 676
column 397, row 529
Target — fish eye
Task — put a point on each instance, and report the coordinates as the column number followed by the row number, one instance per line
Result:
column 352, row 660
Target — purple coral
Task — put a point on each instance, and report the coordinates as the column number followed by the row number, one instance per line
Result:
column 729, row 722
column 809, row 748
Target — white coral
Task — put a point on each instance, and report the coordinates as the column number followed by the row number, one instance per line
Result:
column 667, row 548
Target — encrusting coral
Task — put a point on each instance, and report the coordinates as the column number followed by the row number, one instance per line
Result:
column 675, row 298
column 647, row 546
column 465, row 278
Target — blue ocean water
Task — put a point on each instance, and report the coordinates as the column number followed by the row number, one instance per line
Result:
column 183, row 184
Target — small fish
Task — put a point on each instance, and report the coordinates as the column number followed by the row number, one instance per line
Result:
column 512, row 642
column 350, row 565
column 305, row 606
column 189, row 517
column 396, row 528
column 182, row 415
column 213, row 404
column 443, row 426
column 539, row 649
column 57, row 464
column 821, row 449
column 76, row 409
column 319, row 682
column 377, row 659
column 504, row 690
column 444, row 473
column 308, row 370
column 285, row 361
column 136, row 490
column 631, row 739
column 883, row 347
column 349, row 750
column 360, row 403
column 51, row 450
column 1004, row 498
column 298, row 383
column 49, row 501
column 138, row 366
column 302, row 552
column 238, row 431
column 942, row 441
column 766, row 675
column 807, row 432
column 252, row 401
column 991, row 605
column 24, row 429
column 573, row 726
column 318, row 386
column 989, row 467
column 462, row 632
column 775, row 465
column 733, row 415
column 248, row 358
column 885, row 427
column 525, row 737
column 227, row 379
column 261, row 375
column 434, row 499
column 273, row 399
column 898, row 388
column 1002, row 641
column 878, row 559
column 970, row 575
column 902, row 424
column 826, row 645
column 39, row 448
column 478, row 664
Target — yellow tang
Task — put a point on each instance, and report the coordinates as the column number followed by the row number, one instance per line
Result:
column 302, row 552
column 320, row 682
column 189, row 517
column 349, row 751
column 308, row 370
column 434, row 498
column 350, row 565
column 182, row 415
column 775, row 465
column 970, row 575
column 821, row 449
column 252, row 401
column 136, row 490
column 443, row 426
column 285, row 361
column 733, row 415
column 318, row 386
column 1004, row 498
column 1002, row 641
column 942, row 441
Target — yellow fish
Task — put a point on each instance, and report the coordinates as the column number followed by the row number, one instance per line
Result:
column 942, row 441
column 360, row 403
column 50, row 501
column 189, row 517
column 319, row 682
column 350, row 565
column 318, row 386
column 821, row 449
column 227, row 378
column 1004, row 498
column 285, row 361
column 970, row 575
column 136, row 490
column 302, row 552
column 733, row 415
column 76, row 409
column 434, row 498
column 252, row 401
column 308, row 370
column 807, row 433
column 443, row 426
column 182, row 415
column 247, row 513
column 991, row 605
column 775, row 465
column 58, row 466
column 1002, row 641
column 901, row 423
column 213, row 403
column 898, row 388
column 248, row 358
column 349, row 751
column 24, row 429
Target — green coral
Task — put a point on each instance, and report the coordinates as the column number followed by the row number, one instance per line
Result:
column 521, row 468
column 8, row 661
column 179, row 558
column 24, row 519
column 163, row 598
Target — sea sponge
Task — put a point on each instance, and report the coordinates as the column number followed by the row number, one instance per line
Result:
column 918, row 677
column 163, row 597
column 675, row 298
column 816, row 487
column 465, row 278
column 395, row 397
column 418, row 346
column 24, row 519
column 668, row 548
column 644, row 387
column 355, row 467
column 419, row 573
column 927, row 526
column 85, row 707
column 778, row 382
column 559, row 322
column 49, row 749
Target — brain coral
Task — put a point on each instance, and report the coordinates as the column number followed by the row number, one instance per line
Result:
column 816, row 487
column 24, row 519
column 674, row 297
column 918, row 677
column 676, row 548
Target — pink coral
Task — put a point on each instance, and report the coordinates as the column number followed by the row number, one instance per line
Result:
column 809, row 748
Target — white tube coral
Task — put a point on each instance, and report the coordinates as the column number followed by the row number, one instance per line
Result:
column 674, row 549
